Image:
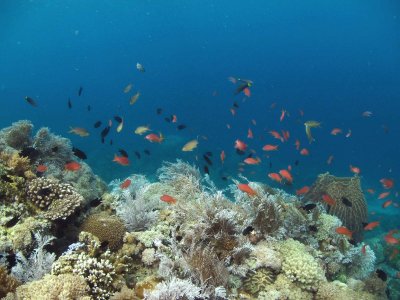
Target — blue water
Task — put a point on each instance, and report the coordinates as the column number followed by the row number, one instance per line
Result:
column 331, row 59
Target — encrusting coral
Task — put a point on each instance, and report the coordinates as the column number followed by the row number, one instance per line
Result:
column 350, row 205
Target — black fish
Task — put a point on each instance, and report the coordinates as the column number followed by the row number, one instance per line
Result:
column 80, row 90
column 95, row 202
column 102, row 140
column 123, row 152
column 30, row 101
column 97, row 124
column 313, row 228
column 309, row 207
column 159, row 111
column 235, row 104
column 209, row 153
column 6, row 178
column 181, row 126
column 89, row 108
column 118, row 119
column 10, row 223
column 167, row 119
column 137, row 154
column 54, row 149
column 30, row 153
column 247, row 230
column 111, row 142
column 69, row 103
column 79, row 153
column 206, row 170
column 147, row 151
column 347, row 202
column 105, row 131
column 381, row 274
column 44, row 191
column 207, row 159
column 296, row 163
column 224, row 178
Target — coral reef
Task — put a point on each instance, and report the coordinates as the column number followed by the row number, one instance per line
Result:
column 350, row 205
column 8, row 283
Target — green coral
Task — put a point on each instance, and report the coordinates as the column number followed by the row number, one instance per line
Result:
column 258, row 281
column 300, row 266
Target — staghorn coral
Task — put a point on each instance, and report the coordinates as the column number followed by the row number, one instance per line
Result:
column 342, row 190
column 52, row 287
column 8, row 283
column 258, row 281
column 300, row 266
column 109, row 229
column 59, row 200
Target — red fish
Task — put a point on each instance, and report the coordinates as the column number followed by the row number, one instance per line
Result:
column 328, row 200
column 303, row 190
column 387, row 183
column 241, row 146
column 246, row 189
column 270, row 147
column 125, row 184
column 276, row 135
column 249, row 134
column 390, row 239
column 41, row 168
column 122, row 160
column 355, row 170
column 371, row 191
column 72, row 166
column 304, row 152
column 154, row 138
column 383, row 195
column 168, row 199
column 344, row 231
column 371, row 225
column 275, row 176
column 286, row 174
column 363, row 249
column 336, row 131
column 283, row 113
column 247, row 92
column 297, row 144
column 387, row 203
column 174, row 119
column 252, row 161
column 285, row 134
column 222, row 156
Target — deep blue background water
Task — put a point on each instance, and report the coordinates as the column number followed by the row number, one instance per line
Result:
column 332, row 59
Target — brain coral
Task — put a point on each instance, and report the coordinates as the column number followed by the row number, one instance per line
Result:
column 300, row 266
column 107, row 228
column 350, row 205
column 257, row 281
column 59, row 200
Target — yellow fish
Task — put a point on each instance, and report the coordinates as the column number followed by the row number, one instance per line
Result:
column 142, row 129
column 82, row 132
column 189, row 146
column 128, row 88
column 309, row 125
column 134, row 98
column 120, row 126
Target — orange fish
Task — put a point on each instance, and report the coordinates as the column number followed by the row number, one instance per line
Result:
column 246, row 189
column 275, row 176
column 270, row 148
column 286, row 174
column 125, row 184
column 72, row 166
column 390, row 239
column 371, row 225
column 154, row 138
column 252, row 161
column 285, row 134
column 283, row 113
column 383, row 195
column 371, row 191
column 249, row 134
column 247, row 92
column 297, row 144
column 355, row 170
column 303, row 190
column 41, row 168
column 241, row 146
column 336, row 131
column 387, row 183
column 328, row 200
column 174, row 119
column 222, row 156
column 276, row 135
column 304, row 151
column 387, row 203
column 345, row 231
column 330, row 159
column 122, row 160
column 168, row 199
